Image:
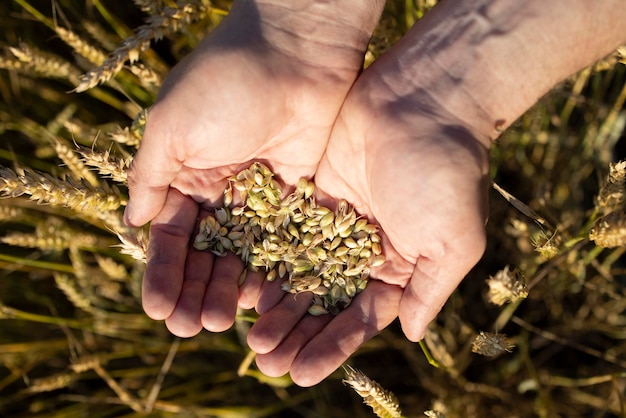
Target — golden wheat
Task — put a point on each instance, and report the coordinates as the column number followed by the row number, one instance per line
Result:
column 170, row 19
column 383, row 403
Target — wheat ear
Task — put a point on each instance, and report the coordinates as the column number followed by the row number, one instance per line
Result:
column 383, row 403
column 157, row 26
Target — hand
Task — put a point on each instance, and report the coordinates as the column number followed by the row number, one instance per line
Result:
column 251, row 90
column 419, row 173
column 409, row 150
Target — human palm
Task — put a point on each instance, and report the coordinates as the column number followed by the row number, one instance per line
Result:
column 235, row 99
column 423, row 181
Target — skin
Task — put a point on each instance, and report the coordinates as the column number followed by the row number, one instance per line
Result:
column 254, row 89
column 408, row 148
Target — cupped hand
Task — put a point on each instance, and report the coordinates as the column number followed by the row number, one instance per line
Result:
column 421, row 174
column 247, row 92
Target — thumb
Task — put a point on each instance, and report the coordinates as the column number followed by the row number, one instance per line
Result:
column 432, row 282
column 153, row 169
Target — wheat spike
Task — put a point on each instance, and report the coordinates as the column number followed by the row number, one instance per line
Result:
column 169, row 20
column 491, row 344
column 107, row 40
column 52, row 382
column 45, row 189
column 151, row 7
column 76, row 165
column 611, row 194
column 114, row 168
column 10, row 213
column 507, row 286
column 51, row 235
column 43, row 64
column 610, row 230
column 71, row 291
column 383, row 403
column 80, row 46
column 112, row 269
column 135, row 245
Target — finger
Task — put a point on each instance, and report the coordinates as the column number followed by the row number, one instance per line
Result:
column 250, row 289
column 369, row 313
column 150, row 174
column 220, row 301
column 432, row 282
column 167, row 251
column 274, row 325
column 278, row 361
column 185, row 320
column 270, row 295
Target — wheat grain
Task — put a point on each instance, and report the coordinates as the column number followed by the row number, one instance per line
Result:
column 317, row 250
column 151, row 7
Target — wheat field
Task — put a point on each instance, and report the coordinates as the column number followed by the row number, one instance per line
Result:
column 538, row 328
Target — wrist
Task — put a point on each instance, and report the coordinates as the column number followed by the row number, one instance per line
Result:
column 486, row 62
column 325, row 34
